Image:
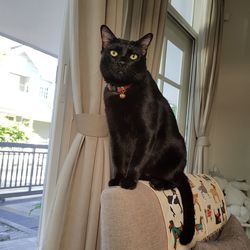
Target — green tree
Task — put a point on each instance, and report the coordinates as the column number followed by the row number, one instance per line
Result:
column 12, row 134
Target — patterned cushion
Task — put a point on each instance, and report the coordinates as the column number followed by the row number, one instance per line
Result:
column 210, row 210
column 232, row 237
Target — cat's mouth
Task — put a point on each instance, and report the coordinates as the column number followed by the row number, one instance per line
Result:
column 121, row 70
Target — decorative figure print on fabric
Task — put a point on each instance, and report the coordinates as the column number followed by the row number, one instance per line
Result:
column 199, row 226
column 223, row 211
column 203, row 190
column 217, row 216
column 210, row 215
column 145, row 140
column 171, row 209
column 176, row 231
column 173, row 199
column 205, row 177
column 214, row 193
column 196, row 200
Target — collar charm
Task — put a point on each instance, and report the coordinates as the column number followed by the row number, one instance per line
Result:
column 119, row 90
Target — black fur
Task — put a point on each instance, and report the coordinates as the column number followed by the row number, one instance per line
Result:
column 145, row 141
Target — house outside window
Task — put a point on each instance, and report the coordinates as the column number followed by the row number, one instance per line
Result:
column 27, row 79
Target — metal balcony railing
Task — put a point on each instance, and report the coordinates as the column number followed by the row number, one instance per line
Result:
column 22, row 169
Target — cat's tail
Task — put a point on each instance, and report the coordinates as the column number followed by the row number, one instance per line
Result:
column 188, row 229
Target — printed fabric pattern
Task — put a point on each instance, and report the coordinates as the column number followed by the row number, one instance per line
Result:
column 210, row 210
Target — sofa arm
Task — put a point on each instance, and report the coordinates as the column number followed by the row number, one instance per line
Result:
column 145, row 219
column 132, row 220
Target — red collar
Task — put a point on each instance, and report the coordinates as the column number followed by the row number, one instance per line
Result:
column 119, row 90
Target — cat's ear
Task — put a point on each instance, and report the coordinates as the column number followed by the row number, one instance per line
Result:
column 107, row 35
column 144, row 42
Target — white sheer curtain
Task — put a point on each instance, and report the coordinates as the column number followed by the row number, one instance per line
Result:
column 207, row 66
column 71, row 206
column 72, row 198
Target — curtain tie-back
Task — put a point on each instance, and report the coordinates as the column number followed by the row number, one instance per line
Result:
column 203, row 141
column 91, row 124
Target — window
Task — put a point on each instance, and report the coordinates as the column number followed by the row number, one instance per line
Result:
column 25, row 117
column 43, row 92
column 10, row 118
column 26, row 122
column 185, row 8
column 23, row 84
column 175, row 69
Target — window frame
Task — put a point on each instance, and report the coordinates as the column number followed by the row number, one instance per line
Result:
column 184, row 90
column 193, row 32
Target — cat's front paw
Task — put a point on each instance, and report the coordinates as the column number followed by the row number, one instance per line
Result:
column 128, row 183
column 114, row 182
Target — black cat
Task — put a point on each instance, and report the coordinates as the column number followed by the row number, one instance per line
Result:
column 145, row 141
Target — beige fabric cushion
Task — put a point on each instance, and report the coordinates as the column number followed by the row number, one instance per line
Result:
column 210, row 210
column 124, row 214
column 232, row 237
column 145, row 219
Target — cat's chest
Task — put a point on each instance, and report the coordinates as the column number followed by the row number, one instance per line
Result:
column 123, row 114
column 123, row 111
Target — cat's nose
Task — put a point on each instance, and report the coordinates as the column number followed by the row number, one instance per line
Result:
column 122, row 63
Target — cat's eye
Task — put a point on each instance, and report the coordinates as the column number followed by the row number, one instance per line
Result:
column 113, row 53
column 133, row 56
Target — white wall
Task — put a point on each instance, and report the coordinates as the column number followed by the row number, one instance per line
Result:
column 230, row 121
column 41, row 129
column 36, row 22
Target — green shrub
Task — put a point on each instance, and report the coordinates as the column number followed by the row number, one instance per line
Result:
column 12, row 134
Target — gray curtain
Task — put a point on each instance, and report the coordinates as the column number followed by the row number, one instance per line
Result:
column 207, row 66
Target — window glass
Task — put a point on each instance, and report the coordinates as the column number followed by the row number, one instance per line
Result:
column 185, row 9
column 43, row 92
column 23, row 84
column 159, row 84
column 172, row 95
column 27, row 84
column 173, row 64
column 174, row 75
